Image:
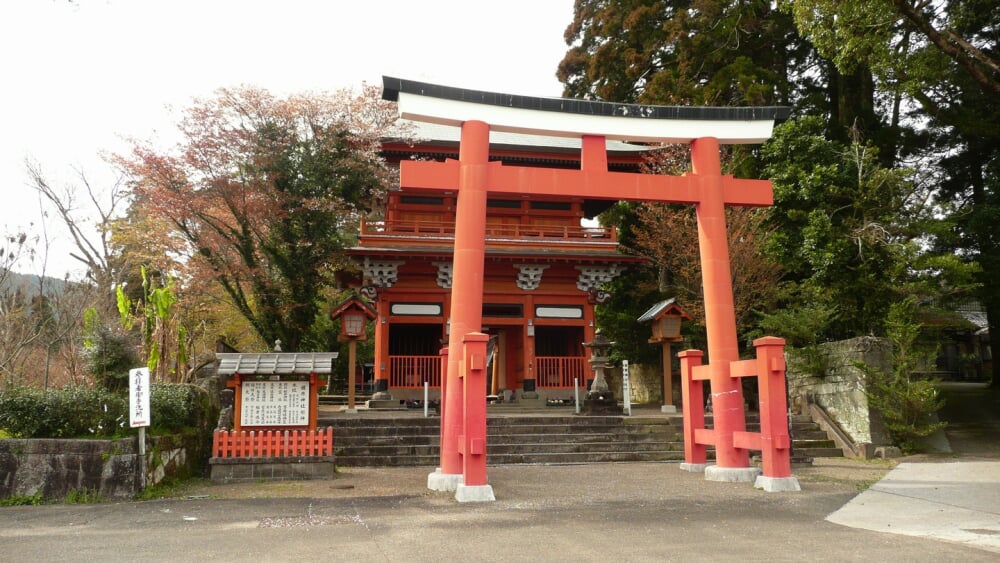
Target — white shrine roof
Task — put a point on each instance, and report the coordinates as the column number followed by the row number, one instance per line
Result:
column 567, row 117
column 276, row 363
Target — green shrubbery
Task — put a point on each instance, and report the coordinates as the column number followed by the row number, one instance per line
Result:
column 908, row 405
column 93, row 412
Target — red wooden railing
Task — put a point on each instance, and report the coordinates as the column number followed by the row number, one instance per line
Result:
column 555, row 371
column 493, row 232
column 273, row 443
column 413, row 371
column 559, row 371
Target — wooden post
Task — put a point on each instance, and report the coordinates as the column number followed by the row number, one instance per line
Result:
column 352, row 349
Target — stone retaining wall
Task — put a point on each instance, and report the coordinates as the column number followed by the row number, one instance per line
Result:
column 110, row 468
column 841, row 389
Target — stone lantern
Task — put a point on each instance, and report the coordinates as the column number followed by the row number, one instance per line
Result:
column 600, row 399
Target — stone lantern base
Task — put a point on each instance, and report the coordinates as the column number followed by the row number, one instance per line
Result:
column 602, row 403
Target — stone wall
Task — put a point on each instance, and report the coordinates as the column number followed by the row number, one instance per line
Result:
column 841, row 389
column 646, row 383
column 111, row 468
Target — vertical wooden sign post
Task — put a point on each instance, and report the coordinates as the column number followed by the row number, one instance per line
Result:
column 138, row 412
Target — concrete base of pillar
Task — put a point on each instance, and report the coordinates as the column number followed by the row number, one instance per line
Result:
column 731, row 474
column 350, row 411
column 446, row 482
column 693, row 467
column 668, row 409
column 474, row 493
column 777, row 484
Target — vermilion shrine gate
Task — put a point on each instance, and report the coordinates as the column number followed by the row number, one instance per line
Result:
column 463, row 405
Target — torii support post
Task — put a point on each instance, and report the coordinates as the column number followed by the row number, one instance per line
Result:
column 693, row 396
column 467, row 296
column 474, row 486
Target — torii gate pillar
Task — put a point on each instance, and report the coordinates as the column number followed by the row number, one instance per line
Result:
column 732, row 464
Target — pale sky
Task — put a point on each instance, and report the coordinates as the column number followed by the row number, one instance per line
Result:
column 80, row 77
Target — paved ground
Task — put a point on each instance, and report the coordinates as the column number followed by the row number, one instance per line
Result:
column 628, row 512
column 953, row 497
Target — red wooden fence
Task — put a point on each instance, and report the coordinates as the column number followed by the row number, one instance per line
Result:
column 273, row 443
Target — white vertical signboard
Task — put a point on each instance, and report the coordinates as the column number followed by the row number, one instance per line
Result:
column 138, row 397
column 626, row 388
column 138, row 406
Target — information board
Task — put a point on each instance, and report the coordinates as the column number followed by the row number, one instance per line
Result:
column 274, row 403
column 138, row 397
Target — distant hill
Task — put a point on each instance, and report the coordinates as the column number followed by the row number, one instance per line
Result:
column 29, row 283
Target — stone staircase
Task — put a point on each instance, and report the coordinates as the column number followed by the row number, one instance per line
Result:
column 809, row 440
column 396, row 441
column 407, row 440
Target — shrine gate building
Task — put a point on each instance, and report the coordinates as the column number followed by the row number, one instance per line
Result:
column 543, row 273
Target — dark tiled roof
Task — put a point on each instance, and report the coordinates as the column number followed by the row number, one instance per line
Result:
column 391, row 88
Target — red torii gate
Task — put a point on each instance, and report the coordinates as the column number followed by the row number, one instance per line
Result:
column 463, row 405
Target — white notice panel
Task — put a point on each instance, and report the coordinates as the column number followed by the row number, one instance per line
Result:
column 138, row 397
column 274, row 403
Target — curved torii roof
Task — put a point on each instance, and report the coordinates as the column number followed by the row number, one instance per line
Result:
column 566, row 117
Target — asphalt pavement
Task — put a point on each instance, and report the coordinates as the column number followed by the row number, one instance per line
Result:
column 932, row 508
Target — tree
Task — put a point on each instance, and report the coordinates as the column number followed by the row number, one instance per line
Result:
column 945, row 57
column 664, row 234
column 905, row 402
column 96, row 255
column 843, row 226
column 263, row 196
column 669, row 52
column 17, row 332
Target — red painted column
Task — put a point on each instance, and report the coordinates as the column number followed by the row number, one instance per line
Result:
column 720, row 316
column 693, row 400
column 775, row 441
column 474, row 385
column 467, row 282
column 381, row 343
column 443, row 352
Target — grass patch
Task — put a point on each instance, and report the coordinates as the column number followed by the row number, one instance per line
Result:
column 174, row 489
column 23, row 500
column 863, row 486
column 83, row 496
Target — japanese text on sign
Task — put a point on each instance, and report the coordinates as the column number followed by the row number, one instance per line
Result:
column 275, row 403
column 138, row 397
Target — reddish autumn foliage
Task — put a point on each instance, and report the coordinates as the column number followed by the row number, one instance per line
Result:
column 263, row 194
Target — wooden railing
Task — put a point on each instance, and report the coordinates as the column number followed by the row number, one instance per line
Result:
column 493, row 232
column 413, row 371
column 559, row 371
column 273, row 443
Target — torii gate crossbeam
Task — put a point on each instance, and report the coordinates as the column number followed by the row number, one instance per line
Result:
column 463, row 452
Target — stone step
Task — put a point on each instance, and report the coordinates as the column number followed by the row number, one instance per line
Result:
column 810, row 435
column 818, row 452
column 413, row 441
column 511, row 459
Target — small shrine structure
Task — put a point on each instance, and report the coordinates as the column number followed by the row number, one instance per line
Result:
column 274, row 433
